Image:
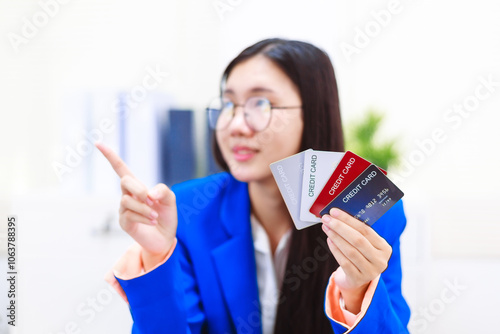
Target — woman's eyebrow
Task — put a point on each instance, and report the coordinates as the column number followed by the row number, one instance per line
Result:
column 253, row 90
column 228, row 91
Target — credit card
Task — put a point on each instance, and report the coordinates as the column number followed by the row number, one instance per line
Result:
column 368, row 197
column 348, row 169
column 288, row 176
column 318, row 167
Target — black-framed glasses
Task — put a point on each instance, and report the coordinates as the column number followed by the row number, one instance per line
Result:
column 257, row 113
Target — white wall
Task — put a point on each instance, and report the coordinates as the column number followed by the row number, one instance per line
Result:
column 428, row 57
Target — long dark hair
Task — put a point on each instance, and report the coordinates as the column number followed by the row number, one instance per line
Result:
column 310, row 264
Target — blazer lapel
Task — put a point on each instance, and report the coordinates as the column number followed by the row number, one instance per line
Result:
column 235, row 260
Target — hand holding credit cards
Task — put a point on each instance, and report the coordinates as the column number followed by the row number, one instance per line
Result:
column 312, row 182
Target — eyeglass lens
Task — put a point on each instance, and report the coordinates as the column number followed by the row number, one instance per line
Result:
column 257, row 113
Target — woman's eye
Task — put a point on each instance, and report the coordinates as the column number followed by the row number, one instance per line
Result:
column 261, row 103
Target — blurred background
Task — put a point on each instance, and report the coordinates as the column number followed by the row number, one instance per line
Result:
column 138, row 76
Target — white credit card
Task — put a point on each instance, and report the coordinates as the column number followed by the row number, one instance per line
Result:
column 288, row 175
column 318, row 167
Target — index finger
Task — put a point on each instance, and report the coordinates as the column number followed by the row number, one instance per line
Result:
column 114, row 159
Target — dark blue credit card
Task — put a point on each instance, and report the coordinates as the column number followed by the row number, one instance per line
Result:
column 368, row 197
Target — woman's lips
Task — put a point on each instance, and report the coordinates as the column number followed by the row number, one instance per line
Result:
column 243, row 153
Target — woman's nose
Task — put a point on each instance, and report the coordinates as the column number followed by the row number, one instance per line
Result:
column 238, row 124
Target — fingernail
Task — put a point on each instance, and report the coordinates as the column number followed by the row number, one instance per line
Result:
column 325, row 228
column 153, row 221
column 334, row 212
column 154, row 214
column 326, row 218
column 149, row 202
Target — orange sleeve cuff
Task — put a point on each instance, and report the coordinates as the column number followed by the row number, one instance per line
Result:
column 130, row 266
column 337, row 312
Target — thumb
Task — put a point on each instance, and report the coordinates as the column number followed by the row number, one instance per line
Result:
column 162, row 194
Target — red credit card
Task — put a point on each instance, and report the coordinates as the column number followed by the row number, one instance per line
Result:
column 347, row 171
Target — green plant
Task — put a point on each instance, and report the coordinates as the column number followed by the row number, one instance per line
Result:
column 361, row 138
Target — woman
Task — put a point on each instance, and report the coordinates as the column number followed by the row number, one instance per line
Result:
column 222, row 256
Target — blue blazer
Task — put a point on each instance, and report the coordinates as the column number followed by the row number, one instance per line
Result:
column 209, row 285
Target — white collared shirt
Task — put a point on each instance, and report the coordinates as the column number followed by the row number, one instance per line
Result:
column 270, row 272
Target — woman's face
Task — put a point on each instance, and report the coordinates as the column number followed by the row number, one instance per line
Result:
column 249, row 153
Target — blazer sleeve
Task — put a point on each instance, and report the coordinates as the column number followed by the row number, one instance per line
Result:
column 387, row 311
column 166, row 299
